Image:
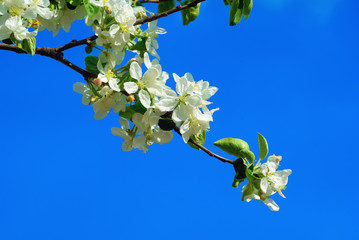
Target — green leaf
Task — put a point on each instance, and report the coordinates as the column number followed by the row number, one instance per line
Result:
column 247, row 8
column 29, row 45
column 15, row 41
column 140, row 45
column 91, row 64
column 128, row 113
column 165, row 5
column 263, row 147
column 91, row 10
column 227, row 2
column 132, row 109
column 240, row 172
column 201, row 138
column 189, row 14
column 235, row 13
column 236, row 147
column 88, row 49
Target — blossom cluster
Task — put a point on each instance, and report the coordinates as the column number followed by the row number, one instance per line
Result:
column 268, row 182
column 141, row 98
column 148, row 108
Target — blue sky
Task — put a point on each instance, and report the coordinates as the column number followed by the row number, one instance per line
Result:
column 290, row 72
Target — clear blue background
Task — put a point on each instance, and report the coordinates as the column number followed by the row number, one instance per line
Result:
column 290, row 72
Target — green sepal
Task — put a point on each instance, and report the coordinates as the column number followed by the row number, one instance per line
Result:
column 235, row 13
column 91, row 64
column 247, row 8
column 263, row 147
column 190, row 14
column 252, row 177
column 249, row 189
column 201, row 138
column 91, row 10
column 236, row 147
column 237, row 181
column 29, row 45
column 165, row 5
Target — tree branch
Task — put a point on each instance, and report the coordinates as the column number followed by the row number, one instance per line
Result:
column 176, row 129
column 149, row 1
column 75, row 43
column 56, row 54
column 166, row 13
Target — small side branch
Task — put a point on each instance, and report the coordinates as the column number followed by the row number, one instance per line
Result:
column 56, row 54
column 166, row 13
column 205, row 149
column 149, row 1
column 75, row 43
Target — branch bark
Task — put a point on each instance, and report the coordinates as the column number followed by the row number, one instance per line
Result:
column 166, row 13
column 149, row 1
column 225, row 160
column 56, row 53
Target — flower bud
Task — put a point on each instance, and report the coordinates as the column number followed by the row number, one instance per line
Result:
column 97, row 82
column 93, row 99
column 108, row 9
column 130, row 98
column 35, row 24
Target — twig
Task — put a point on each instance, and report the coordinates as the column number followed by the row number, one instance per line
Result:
column 149, row 1
column 166, row 13
column 56, row 54
column 75, row 43
column 176, row 129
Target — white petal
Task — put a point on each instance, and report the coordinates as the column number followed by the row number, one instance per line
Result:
column 176, row 77
column 135, row 71
column 162, row 137
column 194, row 100
column 127, row 145
column 271, row 204
column 264, row 184
column 166, row 104
column 130, row 87
column 181, row 113
column 119, row 132
column 147, row 61
column 80, row 87
column 113, row 84
column 150, row 75
column 124, row 124
column 189, row 77
column 145, row 98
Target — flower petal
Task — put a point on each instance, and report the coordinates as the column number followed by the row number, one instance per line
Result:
column 130, row 87
column 145, row 98
column 135, row 71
